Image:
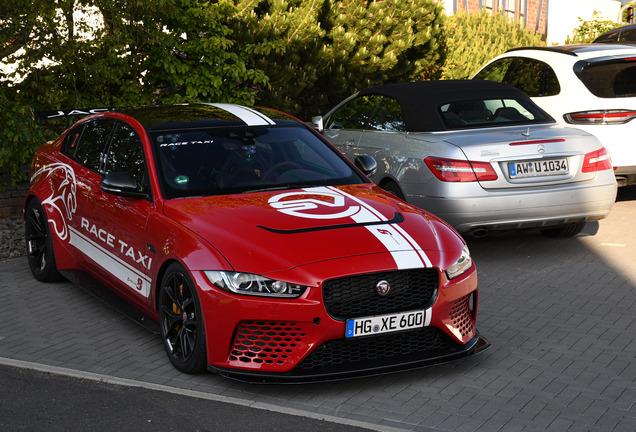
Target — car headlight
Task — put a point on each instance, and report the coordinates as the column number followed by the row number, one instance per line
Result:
column 463, row 263
column 251, row 284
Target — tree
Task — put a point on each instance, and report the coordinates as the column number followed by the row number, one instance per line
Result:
column 96, row 53
column 176, row 50
column 587, row 31
column 476, row 38
column 325, row 50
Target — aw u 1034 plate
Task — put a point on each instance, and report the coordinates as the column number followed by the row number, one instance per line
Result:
column 538, row 168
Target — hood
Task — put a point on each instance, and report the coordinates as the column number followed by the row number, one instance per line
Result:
column 274, row 231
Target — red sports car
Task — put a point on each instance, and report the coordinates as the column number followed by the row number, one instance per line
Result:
column 262, row 252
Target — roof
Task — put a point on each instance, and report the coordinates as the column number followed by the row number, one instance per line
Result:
column 189, row 116
column 576, row 49
column 624, row 34
column 425, row 117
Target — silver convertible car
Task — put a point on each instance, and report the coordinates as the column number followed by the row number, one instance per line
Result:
column 479, row 154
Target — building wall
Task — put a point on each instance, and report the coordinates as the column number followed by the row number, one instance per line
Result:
column 564, row 16
column 554, row 19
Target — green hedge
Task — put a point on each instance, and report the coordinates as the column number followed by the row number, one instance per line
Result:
column 475, row 38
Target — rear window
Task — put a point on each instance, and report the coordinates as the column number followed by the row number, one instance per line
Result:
column 609, row 79
column 533, row 77
column 491, row 113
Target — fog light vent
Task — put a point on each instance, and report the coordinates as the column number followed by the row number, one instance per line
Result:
column 462, row 316
column 265, row 342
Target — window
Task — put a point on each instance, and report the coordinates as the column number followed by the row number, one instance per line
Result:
column 490, row 112
column 531, row 76
column 69, row 145
column 237, row 159
column 355, row 114
column 92, row 143
column 126, row 154
column 609, row 79
column 387, row 117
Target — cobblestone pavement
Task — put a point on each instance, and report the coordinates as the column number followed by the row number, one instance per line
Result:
column 560, row 315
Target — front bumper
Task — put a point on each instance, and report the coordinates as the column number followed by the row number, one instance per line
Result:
column 345, row 359
column 297, row 340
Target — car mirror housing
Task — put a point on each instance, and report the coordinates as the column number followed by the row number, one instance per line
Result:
column 122, row 184
column 317, row 123
column 366, row 164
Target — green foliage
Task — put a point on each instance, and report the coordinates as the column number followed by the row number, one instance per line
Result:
column 116, row 54
column 19, row 137
column 173, row 50
column 487, row 35
column 587, row 31
column 325, row 50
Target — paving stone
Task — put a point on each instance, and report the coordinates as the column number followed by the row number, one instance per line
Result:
column 560, row 315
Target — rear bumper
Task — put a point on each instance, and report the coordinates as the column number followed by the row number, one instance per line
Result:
column 513, row 209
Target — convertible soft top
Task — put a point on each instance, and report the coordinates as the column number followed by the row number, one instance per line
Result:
column 425, row 117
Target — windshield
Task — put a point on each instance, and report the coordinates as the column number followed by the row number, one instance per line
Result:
column 219, row 161
column 491, row 112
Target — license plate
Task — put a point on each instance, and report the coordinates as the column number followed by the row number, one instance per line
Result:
column 387, row 323
column 538, row 168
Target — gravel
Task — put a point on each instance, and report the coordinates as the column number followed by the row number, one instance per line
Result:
column 12, row 238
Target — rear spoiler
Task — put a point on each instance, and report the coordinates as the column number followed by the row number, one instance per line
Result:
column 41, row 116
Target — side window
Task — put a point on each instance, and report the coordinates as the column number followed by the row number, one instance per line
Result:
column 387, row 117
column 126, row 154
column 92, row 143
column 531, row 76
column 355, row 114
column 69, row 145
column 495, row 71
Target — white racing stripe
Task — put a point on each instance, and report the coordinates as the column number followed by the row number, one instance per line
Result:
column 123, row 271
column 404, row 249
column 249, row 116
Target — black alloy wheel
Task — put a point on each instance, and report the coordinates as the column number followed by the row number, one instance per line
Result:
column 392, row 188
column 39, row 244
column 181, row 321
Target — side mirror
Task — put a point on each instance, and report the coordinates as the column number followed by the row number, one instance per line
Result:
column 366, row 164
column 122, row 184
column 317, row 123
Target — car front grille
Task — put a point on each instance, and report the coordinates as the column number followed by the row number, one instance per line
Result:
column 357, row 296
column 428, row 342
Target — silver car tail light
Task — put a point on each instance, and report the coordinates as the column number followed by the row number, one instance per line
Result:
column 454, row 170
column 600, row 117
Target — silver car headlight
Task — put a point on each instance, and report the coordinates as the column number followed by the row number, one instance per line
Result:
column 463, row 263
column 251, row 284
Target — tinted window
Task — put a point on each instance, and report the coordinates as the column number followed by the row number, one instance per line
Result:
column 533, row 77
column 126, row 154
column 69, row 145
column 610, row 79
column 491, row 112
column 92, row 143
column 387, row 116
column 355, row 114
column 232, row 160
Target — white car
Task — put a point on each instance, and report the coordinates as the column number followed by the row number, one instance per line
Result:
column 590, row 87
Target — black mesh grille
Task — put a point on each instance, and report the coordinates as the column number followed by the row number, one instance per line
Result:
column 369, row 351
column 357, row 296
